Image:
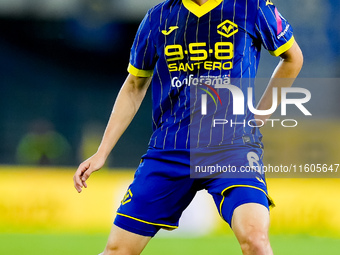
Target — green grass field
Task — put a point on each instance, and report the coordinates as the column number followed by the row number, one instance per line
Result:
column 34, row 244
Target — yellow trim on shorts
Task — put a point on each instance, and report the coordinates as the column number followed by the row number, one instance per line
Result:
column 139, row 72
column 272, row 204
column 283, row 48
column 150, row 223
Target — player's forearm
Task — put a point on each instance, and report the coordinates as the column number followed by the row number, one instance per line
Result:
column 126, row 106
column 283, row 76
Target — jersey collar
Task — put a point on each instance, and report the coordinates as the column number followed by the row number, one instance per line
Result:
column 199, row 11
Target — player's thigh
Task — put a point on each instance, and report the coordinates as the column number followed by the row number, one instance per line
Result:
column 233, row 189
column 124, row 242
column 250, row 221
column 228, row 196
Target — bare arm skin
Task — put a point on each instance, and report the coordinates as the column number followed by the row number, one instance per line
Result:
column 288, row 68
column 126, row 106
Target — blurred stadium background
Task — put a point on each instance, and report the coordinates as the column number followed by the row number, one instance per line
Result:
column 62, row 63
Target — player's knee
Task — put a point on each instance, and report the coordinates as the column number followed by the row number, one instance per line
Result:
column 255, row 242
column 116, row 249
column 111, row 249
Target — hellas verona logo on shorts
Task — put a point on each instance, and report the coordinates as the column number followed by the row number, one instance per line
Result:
column 227, row 28
column 127, row 198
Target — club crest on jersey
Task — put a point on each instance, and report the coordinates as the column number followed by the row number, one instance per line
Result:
column 227, row 28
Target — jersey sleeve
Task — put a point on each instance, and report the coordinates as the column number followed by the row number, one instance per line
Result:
column 274, row 31
column 143, row 51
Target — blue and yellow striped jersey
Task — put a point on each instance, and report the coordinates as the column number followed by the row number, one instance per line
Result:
column 194, row 53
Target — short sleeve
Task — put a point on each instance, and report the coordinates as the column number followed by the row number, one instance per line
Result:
column 143, row 51
column 273, row 29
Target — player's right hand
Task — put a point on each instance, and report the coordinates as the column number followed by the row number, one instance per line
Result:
column 85, row 169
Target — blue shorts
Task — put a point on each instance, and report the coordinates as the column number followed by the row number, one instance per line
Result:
column 162, row 188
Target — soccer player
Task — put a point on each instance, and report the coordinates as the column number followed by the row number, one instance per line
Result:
column 187, row 50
